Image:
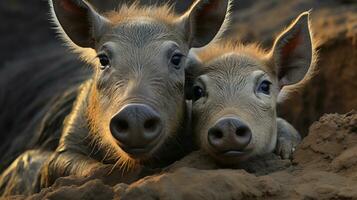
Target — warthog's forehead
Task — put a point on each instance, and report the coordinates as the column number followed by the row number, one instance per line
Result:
column 140, row 32
column 234, row 66
column 234, row 76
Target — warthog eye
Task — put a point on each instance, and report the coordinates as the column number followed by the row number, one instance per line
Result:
column 198, row 93
column 264, row 87
column 176, row 60
column 104, row 61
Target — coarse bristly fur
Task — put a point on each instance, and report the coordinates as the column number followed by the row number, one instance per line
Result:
column 139, row 43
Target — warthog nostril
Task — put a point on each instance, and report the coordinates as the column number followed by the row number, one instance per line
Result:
column 121, row 125
column 242, row 131
column 229, row 134
column 136, row 126
column 151, row 125
column 216, row 134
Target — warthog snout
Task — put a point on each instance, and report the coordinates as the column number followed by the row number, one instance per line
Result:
column 137, row 128
column 229, row 136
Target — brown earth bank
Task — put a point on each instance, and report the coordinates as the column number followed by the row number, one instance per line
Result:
column 324, row 166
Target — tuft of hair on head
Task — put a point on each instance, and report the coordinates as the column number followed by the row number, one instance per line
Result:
column 293, row 57
column 161, row 12
column 218, row 49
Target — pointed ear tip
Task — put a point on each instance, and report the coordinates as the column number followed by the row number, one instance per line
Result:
column 303, row 20
column 306, row 13
column 304, row 17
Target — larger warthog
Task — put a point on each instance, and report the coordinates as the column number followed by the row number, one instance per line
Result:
column 129, row 113
column 134, row 104
column 236, row 89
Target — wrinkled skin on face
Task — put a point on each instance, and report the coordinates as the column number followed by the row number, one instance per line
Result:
column 236, row 89
column 139, row 73
column 231, row 91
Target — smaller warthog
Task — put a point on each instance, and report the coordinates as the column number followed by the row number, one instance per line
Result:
column 235, row 90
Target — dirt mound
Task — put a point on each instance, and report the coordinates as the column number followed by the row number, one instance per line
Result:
column 332, row 143
column 324, row 167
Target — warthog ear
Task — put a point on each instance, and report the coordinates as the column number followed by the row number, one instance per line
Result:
column 79, row 21
column 293, row 52
column 202, row 22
